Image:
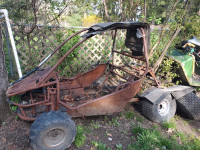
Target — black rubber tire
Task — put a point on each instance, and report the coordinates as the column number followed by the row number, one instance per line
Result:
column 52, row 127
column 189, row 105
column 150, row 111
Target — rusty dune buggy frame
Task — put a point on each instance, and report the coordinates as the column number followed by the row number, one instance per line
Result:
column 99, row 91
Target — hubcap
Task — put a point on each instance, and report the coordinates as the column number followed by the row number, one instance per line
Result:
column 163, row 107
column 54, row 137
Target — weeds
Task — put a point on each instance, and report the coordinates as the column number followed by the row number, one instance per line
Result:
column 119, row 146
column 100, row 146
column 105, row 119
column 95, row 125
column 114, row 122
column 169, row 125
column 148, row 139
column 80, row 136
column 15, row 99
column 132, row 115
column 129, row 115
column 125, row 132
column 139, row 118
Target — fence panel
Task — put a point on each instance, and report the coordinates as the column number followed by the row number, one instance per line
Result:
column 34, row 47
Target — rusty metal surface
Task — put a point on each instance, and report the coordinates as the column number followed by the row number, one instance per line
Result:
column 108, row 104
column 102, row 90
column 83, row 80
column 27, row 83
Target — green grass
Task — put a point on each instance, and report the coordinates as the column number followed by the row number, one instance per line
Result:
column 105, row 119
column 132, row 115
column 95, row 125
column 80, row 136
column 148, row 139
column 15, row 99
column 100, row 146
column 119, row 146
column 169, row 125
column 114, row 122
column 139, row 118
column 129, row 115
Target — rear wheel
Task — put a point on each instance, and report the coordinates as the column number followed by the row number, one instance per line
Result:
column 189, row 105
column 160, row 112
column 52, row 131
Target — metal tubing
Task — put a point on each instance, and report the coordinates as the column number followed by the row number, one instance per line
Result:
column 69, row 38
column 126, row 71
column 9, row 50
column 37, row 67
column 30, row 105
column 145, row 52
column 43, row 85
column 60, row 61
column 5, row 12
column 129, row 55
column 113, row 46
column 25, row 117
column 58, row 95
column 119, row 75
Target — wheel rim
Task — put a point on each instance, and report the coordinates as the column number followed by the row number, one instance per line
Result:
column 54, row 137
column 163, row 107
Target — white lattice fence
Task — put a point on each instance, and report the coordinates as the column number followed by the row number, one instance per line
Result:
column 33, row 48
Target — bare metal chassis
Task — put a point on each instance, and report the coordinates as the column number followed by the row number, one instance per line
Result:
column 76, row 94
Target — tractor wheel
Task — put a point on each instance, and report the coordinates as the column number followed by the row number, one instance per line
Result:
column 52, row 131
column 160, row 112
column 189, row 105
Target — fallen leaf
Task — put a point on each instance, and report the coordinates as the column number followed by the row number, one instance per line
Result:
column 3, row 140
column 93, row 148
column 108, row 134
column 169, row 130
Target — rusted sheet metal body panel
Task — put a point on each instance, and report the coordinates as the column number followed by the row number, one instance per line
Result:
column 108, row 104
column 83, row 80
column 27, row 84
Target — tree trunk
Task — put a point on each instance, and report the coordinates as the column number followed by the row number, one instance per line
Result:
column 106, row 10
column 145, row 11
column 4, row 108
column 121, row 10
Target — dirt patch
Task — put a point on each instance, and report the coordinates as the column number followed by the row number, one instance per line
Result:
column 14, row 134
column 110, row 130
column 186, row 126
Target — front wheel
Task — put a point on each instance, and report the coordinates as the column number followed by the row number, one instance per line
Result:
column 160, row 112
column 52, row 131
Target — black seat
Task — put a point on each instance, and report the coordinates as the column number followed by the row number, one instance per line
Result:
column 134, row 43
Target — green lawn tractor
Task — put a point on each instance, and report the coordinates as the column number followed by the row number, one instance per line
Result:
column 159, row 105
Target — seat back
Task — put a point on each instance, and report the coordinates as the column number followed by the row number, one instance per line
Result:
column 134, row 42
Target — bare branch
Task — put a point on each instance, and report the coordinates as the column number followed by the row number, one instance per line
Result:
column 35, row 17
column 145, row 10
column 134, row 11
column 186, row 8
column 165, row 50
column 58, row 14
